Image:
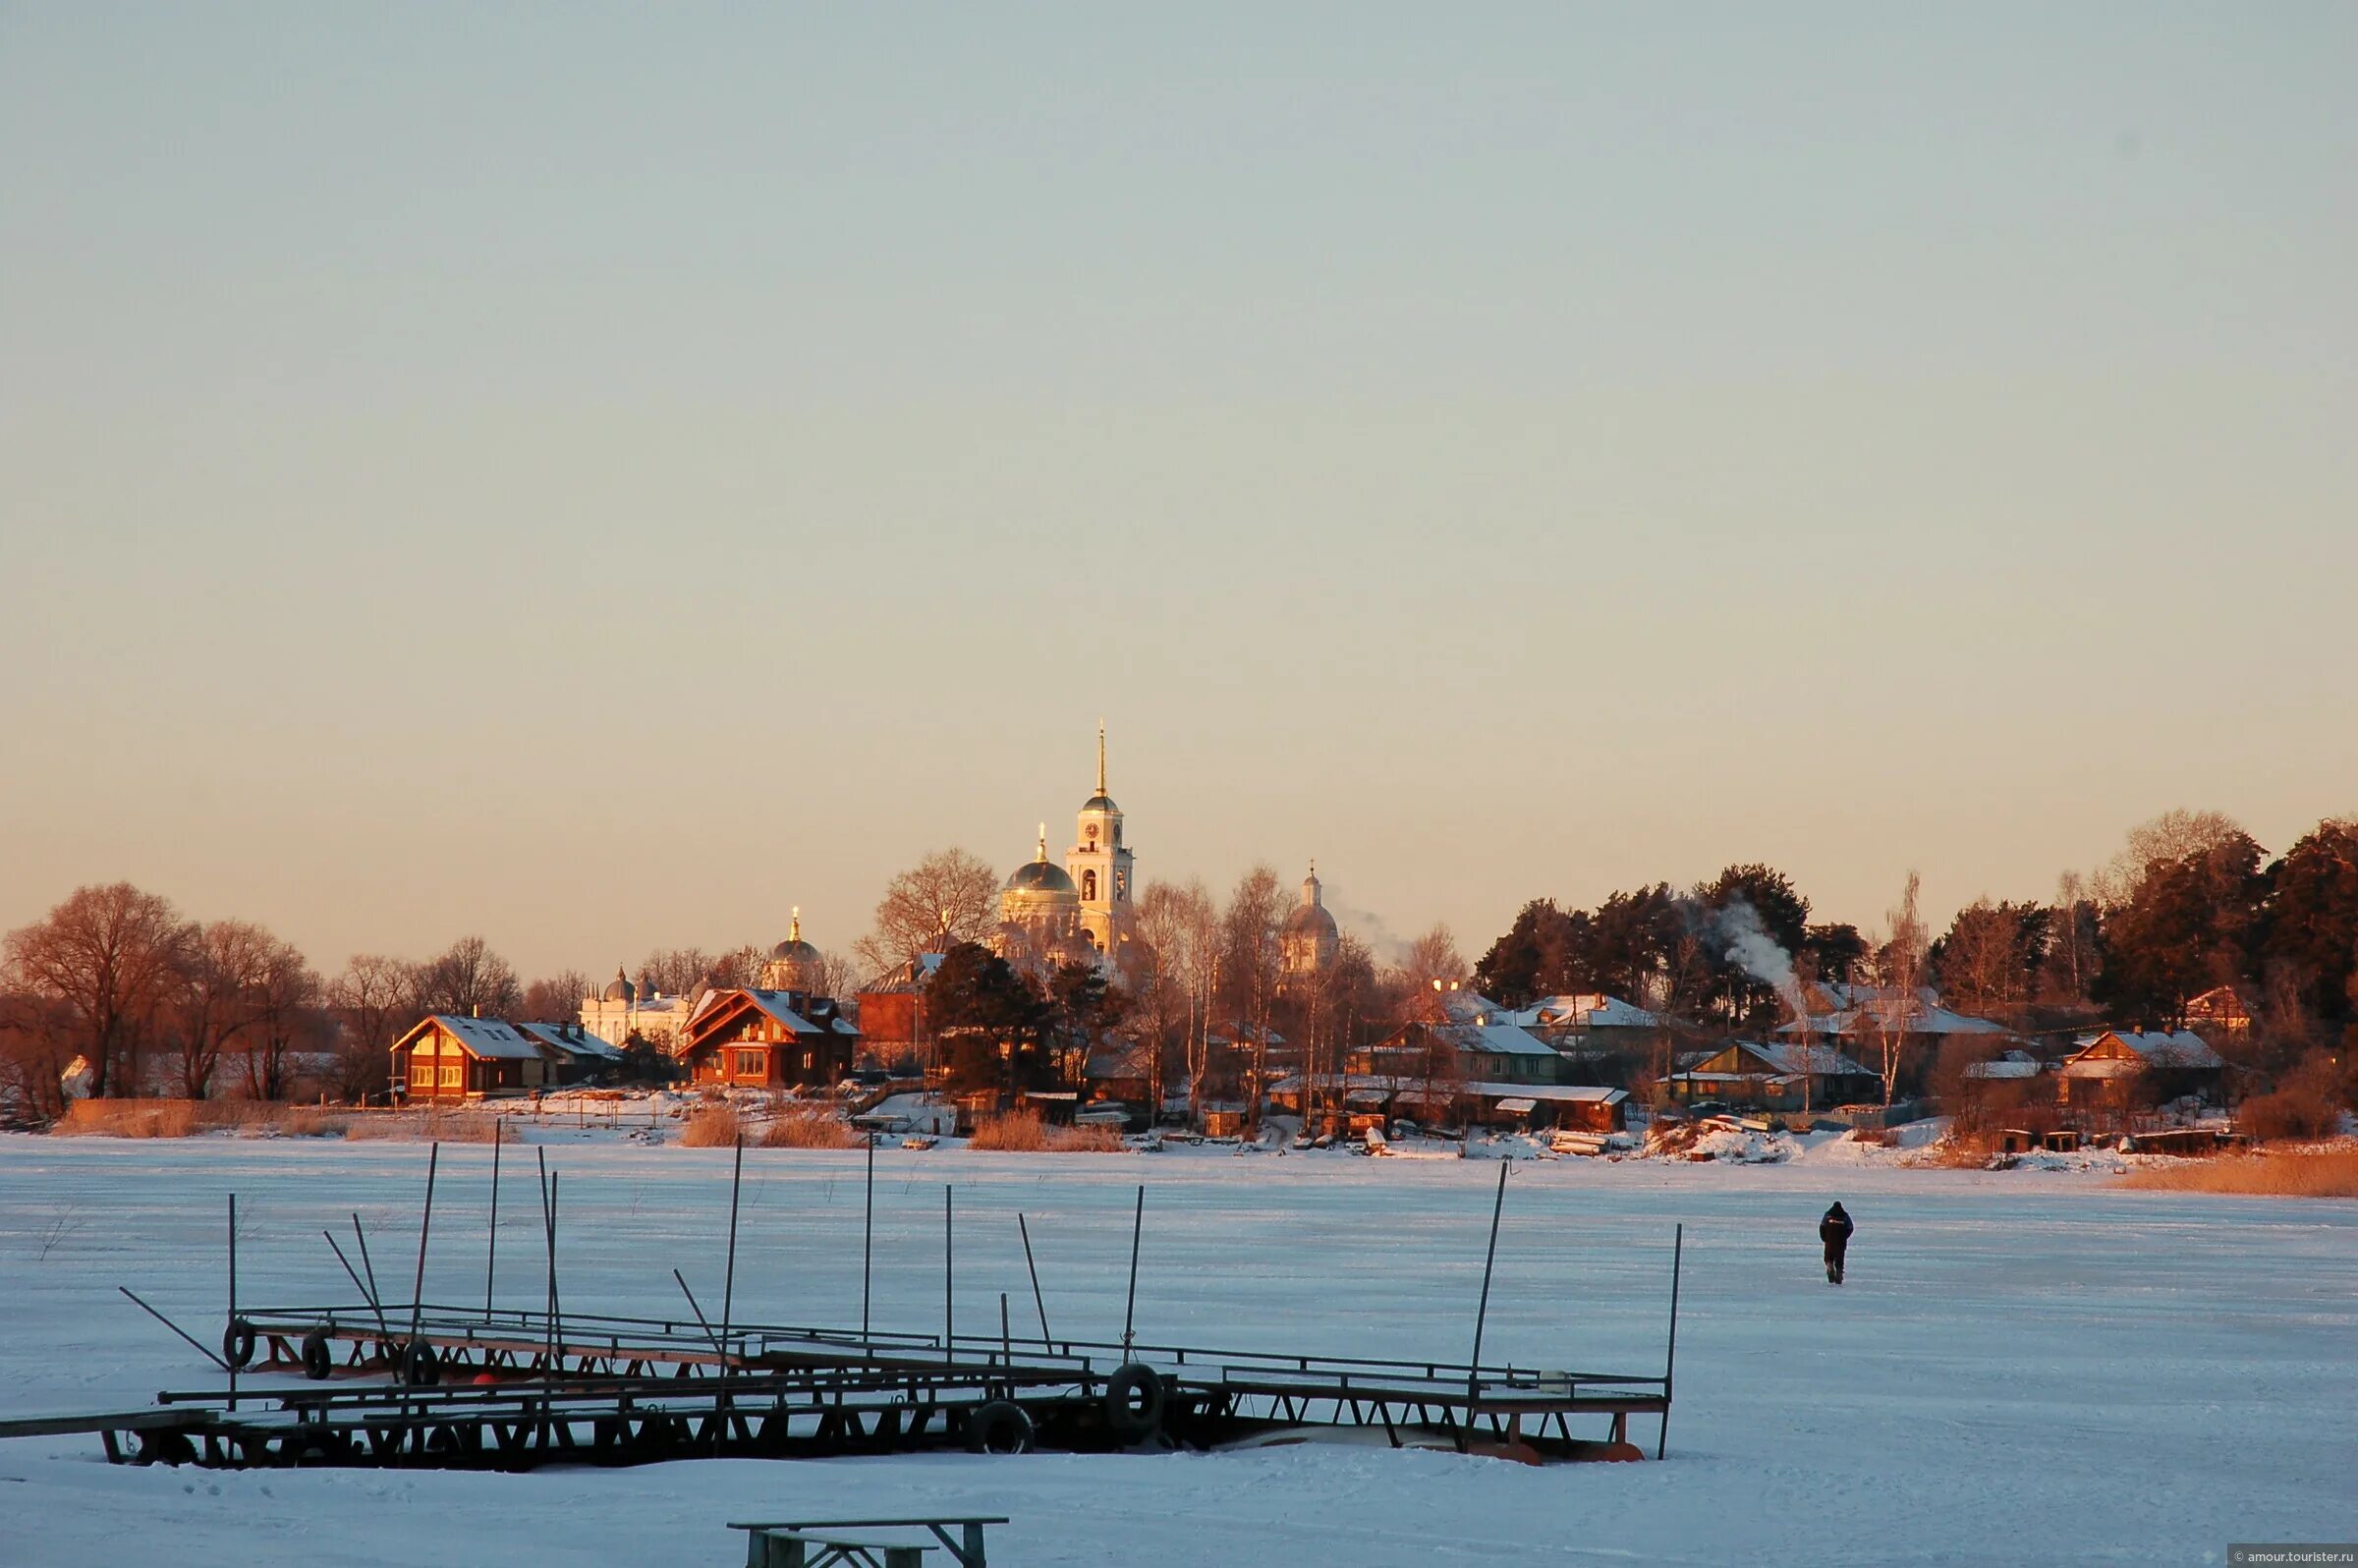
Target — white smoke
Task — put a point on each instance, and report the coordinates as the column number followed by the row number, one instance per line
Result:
column 1745, row 943
column 1367, row 926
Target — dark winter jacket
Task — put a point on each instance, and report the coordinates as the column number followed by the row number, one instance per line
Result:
column 1834, row 1229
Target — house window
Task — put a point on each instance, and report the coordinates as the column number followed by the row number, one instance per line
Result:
column 810, row 1060
column 454, row 1075
column 750, row 1064
column 421, row 1074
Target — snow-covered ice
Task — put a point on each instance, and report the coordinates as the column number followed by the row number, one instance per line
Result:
column 2025, row 1367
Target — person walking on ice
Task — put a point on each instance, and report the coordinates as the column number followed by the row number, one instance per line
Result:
column 1834, row 1230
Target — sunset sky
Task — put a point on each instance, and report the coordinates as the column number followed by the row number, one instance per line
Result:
column 598, row 477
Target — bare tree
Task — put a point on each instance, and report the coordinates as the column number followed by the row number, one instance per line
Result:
column 1250, row 951
column 2175, row 835
column 948, row 898
column 36, row 1034
column 674, row 971
column 556, row 999
column 470, row 979
column 111, row 955
column 1902, row 966
column 1179, row 923
column 215, row 1000
column 287, row 1018
column 374, row 1001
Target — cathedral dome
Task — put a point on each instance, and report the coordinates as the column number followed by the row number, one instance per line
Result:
column 1312, row 920
column 794, row 965
column 1044, row 878
column 619, row 990
column 1100, row 802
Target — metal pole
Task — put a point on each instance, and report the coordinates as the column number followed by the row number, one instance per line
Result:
column 233, row 1293
column 1138, row 1226
column 868, row 1239
column 1678, row 1246
column 365, row 1293
column 425, row 1225
column 548, row 1301
column 491, row 1252
column 556, row 1297
column 375, row 1298
column 728, row 1286
column 1033, row 1269
column 1006, row 1344
column 176, row 1328
column 728, row 1301
column 949, row 1277
column 1482, row 1312
column 702, row 1321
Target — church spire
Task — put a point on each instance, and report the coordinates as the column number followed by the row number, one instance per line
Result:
column 793, row 931
column 1101, row 756
column 1044, row 843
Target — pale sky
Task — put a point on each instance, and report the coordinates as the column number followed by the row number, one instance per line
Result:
column 601, row 478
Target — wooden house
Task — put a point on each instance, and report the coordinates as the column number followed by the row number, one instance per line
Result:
column 1490, row 1050
column 448, row 1058
column 2220, row 1011
column 2120, row 1065
column 574, row 1055
column 748, row 1039
column 1777, row 1077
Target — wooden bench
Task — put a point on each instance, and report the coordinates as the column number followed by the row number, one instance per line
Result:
column 789, row 1542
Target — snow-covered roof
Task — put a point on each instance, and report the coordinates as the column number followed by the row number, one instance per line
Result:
column 1589, row 1010
column 1464, row 1006
column 580, row 1042
column 2179, row 1048
column 1553, row 1094
column 1880, row 1012
column 2014, row 1064
column 1793, row 1060
column 1495, row 1039
column 487, row 1037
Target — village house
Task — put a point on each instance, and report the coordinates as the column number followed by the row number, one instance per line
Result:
column 1865, row 1017
column 572, row 1054
column 1488, row 1051
column 448, row 1058
column 748, row 1039
column 2222, row 1013
column 2111, row 1070
column 1781, row 1076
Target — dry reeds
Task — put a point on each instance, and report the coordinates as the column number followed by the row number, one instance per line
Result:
column 809, row 1129
column 714, row 1126
column 2270, row 1173
column 1023, row 1133
column 189, row 1118
column 423, row 1127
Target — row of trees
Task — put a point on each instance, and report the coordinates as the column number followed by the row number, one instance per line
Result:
column 2189, row 903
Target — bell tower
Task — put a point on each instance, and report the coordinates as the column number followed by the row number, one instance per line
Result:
column 1100, row 862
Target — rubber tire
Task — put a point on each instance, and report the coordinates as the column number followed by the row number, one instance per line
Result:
column 318, row 1359
column 420, row 1368
column 1134, row 1397
column 999, row 1426
column 237, row 1342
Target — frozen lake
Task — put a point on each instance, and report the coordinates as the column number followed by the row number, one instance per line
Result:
column 2024, row 1368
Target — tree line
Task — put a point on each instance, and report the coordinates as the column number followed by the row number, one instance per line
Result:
column 2189, row 903
column 154, row 1003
